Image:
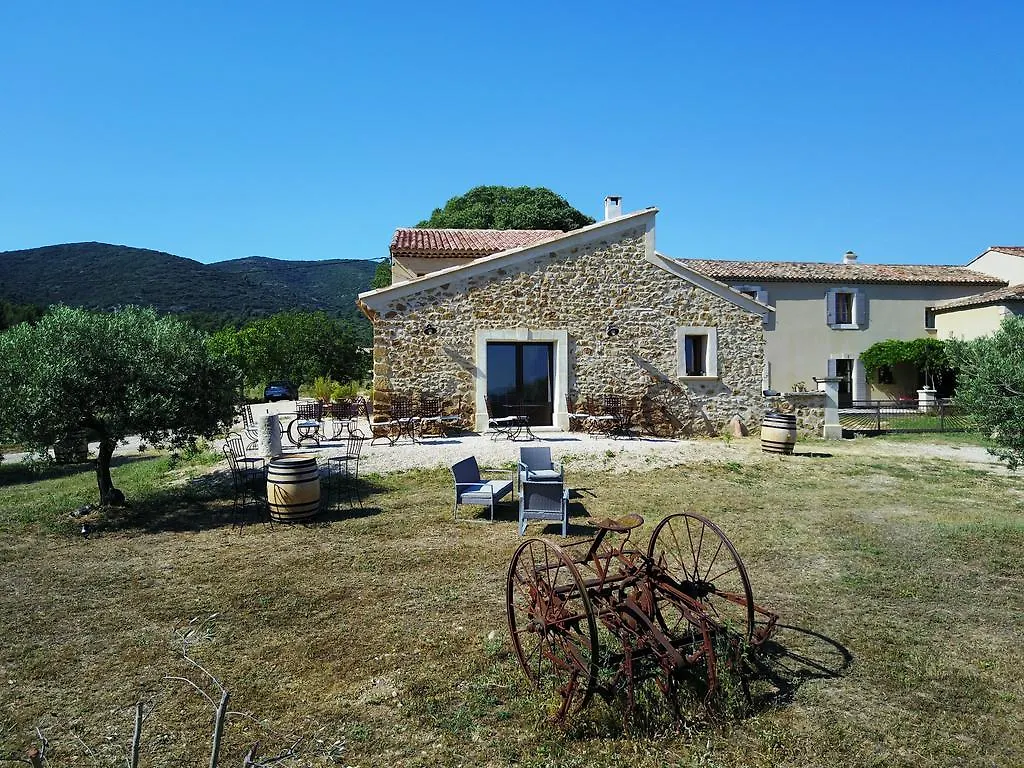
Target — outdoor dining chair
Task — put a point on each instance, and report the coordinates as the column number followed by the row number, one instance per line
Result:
column 248, row 480
column 249, row 429
column 577, row 413
column 343, row 470
column 380, row 428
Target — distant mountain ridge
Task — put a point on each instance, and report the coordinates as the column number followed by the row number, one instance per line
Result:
column 103, row 276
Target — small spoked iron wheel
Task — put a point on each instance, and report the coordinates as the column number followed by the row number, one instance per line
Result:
column 552, row 623
column 699, row 558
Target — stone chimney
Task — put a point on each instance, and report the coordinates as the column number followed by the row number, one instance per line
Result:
column 849, row 257
column 612, row 207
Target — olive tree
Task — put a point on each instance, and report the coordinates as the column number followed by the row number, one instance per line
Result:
column 114, row 374
column 990, row 386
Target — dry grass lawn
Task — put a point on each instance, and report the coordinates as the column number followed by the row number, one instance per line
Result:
column 379, row 636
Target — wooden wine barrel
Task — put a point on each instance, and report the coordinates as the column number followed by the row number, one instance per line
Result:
column 778, row 433
column 293, row 487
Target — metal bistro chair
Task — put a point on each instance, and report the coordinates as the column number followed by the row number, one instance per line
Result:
column 600, row 421
column 405, row 411
column 249, row 428
column 433, row 421
column 578, row 414
column 248, row 480
column 622, row 410
column 381, row 429
column 305, row 427
column 508, row 427
column 343, row 470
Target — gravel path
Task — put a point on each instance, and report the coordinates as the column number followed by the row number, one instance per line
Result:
column 583, row 452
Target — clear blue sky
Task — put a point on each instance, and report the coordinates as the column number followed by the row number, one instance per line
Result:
column 762, row 130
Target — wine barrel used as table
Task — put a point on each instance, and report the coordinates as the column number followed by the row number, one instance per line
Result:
column 293, row 488
column 778, row 433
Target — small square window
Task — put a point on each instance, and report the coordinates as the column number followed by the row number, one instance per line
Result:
column 698, row 352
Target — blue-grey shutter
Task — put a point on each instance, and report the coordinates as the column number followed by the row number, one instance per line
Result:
column 831, row 366
column 860, row 309
column 830, row 307
column 860, row 380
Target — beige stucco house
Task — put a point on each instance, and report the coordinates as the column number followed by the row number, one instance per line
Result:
column 979, row 315
column 1003, row 261
column 569, row 316
column 826, row 314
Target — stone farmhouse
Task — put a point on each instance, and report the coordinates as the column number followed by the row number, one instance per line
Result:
column 549, row 319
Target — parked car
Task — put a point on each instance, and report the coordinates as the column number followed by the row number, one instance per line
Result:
column 280, row 390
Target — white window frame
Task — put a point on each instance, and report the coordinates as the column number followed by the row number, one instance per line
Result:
column 859, row 310
column 929, row 314
column 710, row 352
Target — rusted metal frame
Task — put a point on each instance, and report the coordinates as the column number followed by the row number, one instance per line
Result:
column 762, row 634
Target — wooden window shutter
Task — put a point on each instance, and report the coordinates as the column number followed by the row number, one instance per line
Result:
column 860, row 309
column 830, row 307
column 860, row 380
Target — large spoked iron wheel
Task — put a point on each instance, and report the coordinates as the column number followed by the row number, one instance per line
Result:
column 552, row 623
column 703, row 564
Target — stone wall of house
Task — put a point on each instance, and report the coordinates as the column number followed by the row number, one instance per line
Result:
column 426, row 341
column 808, row 407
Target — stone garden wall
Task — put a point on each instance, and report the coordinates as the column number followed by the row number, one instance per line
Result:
column 426, row 341
column 809, row 408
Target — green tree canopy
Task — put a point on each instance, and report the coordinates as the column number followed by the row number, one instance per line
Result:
column 382, row 277
column 508, row 208
column 113, row 374
column 297, row 346
column 11, row 314
column 990, row 386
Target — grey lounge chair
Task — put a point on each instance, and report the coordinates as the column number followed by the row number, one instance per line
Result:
column 536, row 464
column 546, row 501
column 471, row 488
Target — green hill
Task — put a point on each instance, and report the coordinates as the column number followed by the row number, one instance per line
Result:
column 103, row 276
column 332, row 283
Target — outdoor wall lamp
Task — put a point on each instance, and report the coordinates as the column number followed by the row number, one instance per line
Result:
column 613, row 330
column 429, row 330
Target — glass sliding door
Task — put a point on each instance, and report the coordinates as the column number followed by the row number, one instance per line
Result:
column 520, row 380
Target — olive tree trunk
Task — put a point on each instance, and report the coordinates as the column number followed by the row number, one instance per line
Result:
column 109, row 495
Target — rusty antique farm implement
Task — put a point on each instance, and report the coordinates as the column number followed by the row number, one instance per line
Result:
column 601, row 616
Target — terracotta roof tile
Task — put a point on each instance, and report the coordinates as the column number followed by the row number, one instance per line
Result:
column 463, row 242
column 1012, row 293
column 814, row 272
